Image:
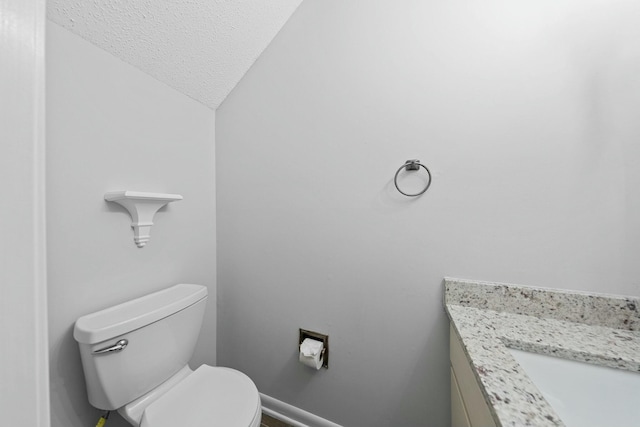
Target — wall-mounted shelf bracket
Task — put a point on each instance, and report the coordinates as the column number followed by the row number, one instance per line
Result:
column 142, row 207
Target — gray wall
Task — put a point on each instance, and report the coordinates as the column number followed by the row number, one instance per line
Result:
column 526, row 113
column 111, row 127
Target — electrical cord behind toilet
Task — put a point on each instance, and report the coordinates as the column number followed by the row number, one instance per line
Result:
column 103, row 419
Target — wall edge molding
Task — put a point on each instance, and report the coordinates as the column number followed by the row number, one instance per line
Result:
column 292, row 415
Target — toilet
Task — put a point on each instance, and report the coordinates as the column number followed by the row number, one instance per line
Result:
column 135, row 360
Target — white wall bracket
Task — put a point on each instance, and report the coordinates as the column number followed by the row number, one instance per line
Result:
column 142, row 207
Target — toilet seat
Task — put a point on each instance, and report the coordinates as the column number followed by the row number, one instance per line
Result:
column 208, row 397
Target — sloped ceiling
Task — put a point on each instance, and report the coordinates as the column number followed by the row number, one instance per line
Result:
column 200, row 47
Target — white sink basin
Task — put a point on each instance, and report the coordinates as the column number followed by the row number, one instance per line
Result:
column 585, row 395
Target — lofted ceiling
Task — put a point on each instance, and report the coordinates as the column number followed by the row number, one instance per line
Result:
column 202, row 48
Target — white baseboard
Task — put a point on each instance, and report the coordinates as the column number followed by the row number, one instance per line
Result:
column 292, row 415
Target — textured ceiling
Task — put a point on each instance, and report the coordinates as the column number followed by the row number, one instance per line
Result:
column 200, row 47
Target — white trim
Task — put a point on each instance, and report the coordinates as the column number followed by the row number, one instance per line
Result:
column 24, row 369
column 291, row 415
column 42, row 406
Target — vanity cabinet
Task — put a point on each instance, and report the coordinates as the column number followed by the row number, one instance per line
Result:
column 468, row 407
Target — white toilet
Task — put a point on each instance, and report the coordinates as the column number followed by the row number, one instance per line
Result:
column 135, row 356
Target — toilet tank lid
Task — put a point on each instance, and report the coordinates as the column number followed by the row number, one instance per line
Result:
column 131, row 315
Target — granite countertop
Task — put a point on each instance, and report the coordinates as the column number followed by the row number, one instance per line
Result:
column 492, row 317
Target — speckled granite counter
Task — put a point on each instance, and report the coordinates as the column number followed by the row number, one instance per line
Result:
column 491, row 317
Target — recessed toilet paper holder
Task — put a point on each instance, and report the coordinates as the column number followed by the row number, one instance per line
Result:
column 319, row 337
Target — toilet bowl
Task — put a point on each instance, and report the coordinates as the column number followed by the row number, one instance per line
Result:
column 135, row 360
column 207, row 397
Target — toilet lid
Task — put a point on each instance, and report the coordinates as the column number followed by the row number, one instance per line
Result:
column 210, row 396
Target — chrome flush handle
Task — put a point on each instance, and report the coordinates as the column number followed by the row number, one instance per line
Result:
column 119, row 346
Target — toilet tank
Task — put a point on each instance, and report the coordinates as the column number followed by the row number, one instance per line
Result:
column 161, row 330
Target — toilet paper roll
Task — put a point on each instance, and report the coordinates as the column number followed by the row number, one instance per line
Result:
column 311, row 353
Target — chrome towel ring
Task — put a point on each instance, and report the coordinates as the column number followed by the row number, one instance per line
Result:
column 412, row 165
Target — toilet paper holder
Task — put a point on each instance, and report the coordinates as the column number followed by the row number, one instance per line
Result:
column 304, row 333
